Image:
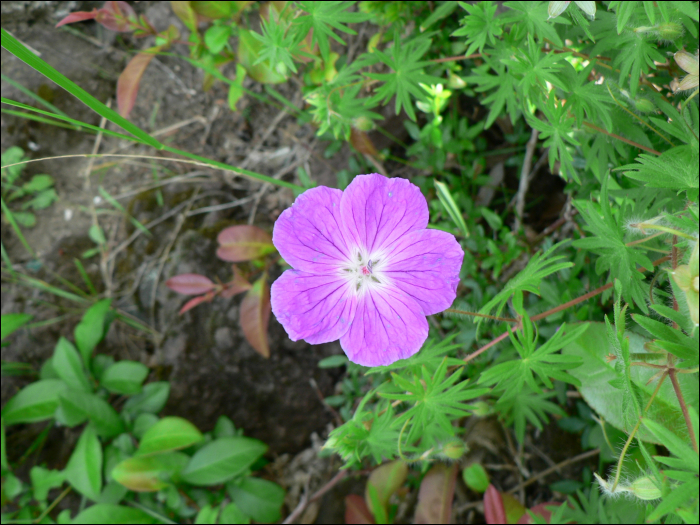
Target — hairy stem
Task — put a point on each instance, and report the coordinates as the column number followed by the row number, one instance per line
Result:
column 623, row 139
column 684, row 408
column 634, row 431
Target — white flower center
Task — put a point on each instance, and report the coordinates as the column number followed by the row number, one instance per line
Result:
column 364, row 271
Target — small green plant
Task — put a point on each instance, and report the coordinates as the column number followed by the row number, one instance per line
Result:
column 35, row 194
column 128, row 466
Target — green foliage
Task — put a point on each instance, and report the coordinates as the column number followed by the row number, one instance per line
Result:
column 121, row 459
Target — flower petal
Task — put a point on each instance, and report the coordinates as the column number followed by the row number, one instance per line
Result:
column 308, row 234
column 388, row 326
column 376, row 211
column 425, row 264
column 316, row 308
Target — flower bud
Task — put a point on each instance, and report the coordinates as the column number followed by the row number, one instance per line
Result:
column 481, row 409
column 670, row 31
column 644, row 105
column 454, row 449
column 362, row 124
column 644, row 489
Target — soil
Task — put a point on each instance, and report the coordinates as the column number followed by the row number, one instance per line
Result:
column 212, row 369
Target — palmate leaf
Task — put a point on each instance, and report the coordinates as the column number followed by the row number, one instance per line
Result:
column 534, row 68
column 557, row 130
column 534, row 16
column 607, row 241
column 323, row 17
column 540, row 266
column 436, row 399
column 480, row 25
column 405, row 59
column 527, row 406
column 512, row 376
column 505, row 93
column 583, row 96
column 675, row 169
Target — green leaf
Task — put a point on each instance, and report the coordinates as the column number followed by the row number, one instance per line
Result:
column 84, row 469
column 674, row 169
column 44, row 480
column 333, row 361
column 92, row 329
column 207, row 515
column 216, row 37
column 231, row 514
column 124, row 377
column 222, row 459
column 450, row 206
column 150, row 473
column 258, row 498
column 385, row 480
column 104, row 418
column 104, row 513
column 476, row 478
column 152, row 399
column 69, row 367
column 35, row 402
column 322, row 18
column 597, row 371
column 12, row 322
column 170, row 433
column 3, row 448
column 404, row 82
column 442, row 11
column 607, row 240
column 20, row 51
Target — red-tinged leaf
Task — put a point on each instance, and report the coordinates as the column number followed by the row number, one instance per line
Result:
column 362, row 143
column 255, row 316
column 539, row 510
column 493, row 506
column 206, row 298
column 185, row 12
column 514, row 509
column 243, row 243
column 435, row 495
column 118, row 16
column 385, row 479
column 236, row 285
column 128, row 83
column 190, row 284
column 356, row 511
column 78, row 16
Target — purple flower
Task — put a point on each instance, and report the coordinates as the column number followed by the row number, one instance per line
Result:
column 366, row 269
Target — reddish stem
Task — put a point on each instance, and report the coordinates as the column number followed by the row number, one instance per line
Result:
column 684, row 408
column 623, row 139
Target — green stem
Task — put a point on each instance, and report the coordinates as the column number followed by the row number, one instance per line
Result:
column 632, row 434
column 648, row 226
column 475, row 314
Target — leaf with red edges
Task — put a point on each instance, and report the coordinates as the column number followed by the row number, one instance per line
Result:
column 255, row 316
column 493, row 506
column 236, row 285
column 243, row 243
column 385, row 479
column 78, row 16
column 435, row 495
column 129, row 80
column 190, row 284
column 514, row 509
column 356, row 511
column 118, row 16
column 539, row 510
column 196, row 301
